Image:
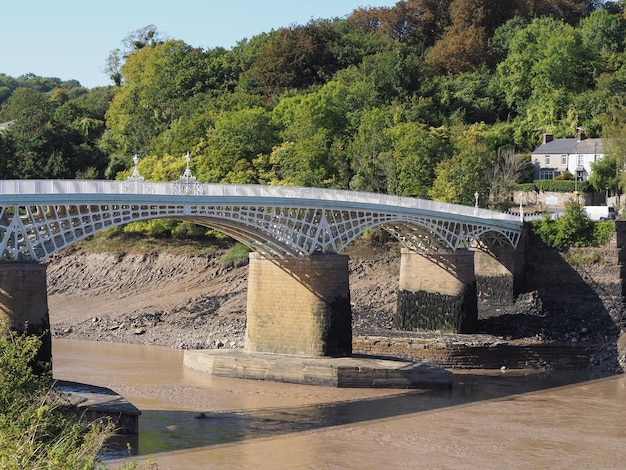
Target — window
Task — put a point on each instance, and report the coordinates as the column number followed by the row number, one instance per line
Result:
column 546, row 174
column 547, row 159
column 563, row 160
column 580, row 160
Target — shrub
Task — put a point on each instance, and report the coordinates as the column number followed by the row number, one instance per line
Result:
column 573, row 229
column 603, row 232
column 236, row 256
column 35, row 432
column 555, row 186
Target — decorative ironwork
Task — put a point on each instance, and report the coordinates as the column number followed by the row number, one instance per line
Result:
column 135, row 184
column 40, row 218
column 187, row 184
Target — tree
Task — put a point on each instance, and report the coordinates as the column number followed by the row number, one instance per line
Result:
column 570, row 11
column 157, row 80
column 314, row 131
column 29, row 138
column 545, row 56
column 610, row 171
column 148, row 36
column 297, row 57
column 509, row 170
column 468, row 171
column 470, row 97
column 416, row 150
column 416, row 22
column 464, row 45
column 237, row 139
column 374, row 169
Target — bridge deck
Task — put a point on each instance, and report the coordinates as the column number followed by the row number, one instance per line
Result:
column 40, row 217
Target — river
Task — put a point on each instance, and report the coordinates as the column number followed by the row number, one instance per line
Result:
column 489, row 420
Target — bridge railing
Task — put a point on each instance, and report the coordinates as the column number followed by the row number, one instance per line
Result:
column 330, row 196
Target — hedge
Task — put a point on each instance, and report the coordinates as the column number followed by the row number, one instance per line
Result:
column 555, row 186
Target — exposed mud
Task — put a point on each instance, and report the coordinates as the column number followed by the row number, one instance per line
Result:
column 192, row 302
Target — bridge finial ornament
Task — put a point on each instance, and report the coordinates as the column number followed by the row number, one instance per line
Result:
column 136, row 176
column 187, row 174
column 135, row 183
column 187, row 184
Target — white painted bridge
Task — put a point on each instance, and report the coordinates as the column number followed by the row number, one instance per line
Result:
column 41, row 217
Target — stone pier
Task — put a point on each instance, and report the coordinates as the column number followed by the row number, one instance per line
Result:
column 437, row 292
column 24, row 302
column 299, row 306
column 499, row 271
column 299, row 330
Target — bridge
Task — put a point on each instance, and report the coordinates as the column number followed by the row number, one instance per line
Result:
column 298, row 289
column 41, row 217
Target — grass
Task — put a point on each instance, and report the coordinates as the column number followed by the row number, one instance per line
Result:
column 117, row 242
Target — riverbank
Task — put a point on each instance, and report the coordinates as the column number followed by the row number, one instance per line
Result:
column 192, row 302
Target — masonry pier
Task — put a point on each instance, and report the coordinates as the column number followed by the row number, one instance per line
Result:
column 299, row 306
column 24, row 303
column 299, row 330
column 499, row 271
column 437, row 292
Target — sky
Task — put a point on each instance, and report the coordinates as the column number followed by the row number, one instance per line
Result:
column 71, row 39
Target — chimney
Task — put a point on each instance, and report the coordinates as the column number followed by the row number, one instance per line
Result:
column 548, row 138
column 581, row 134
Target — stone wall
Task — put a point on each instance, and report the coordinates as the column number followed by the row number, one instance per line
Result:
column 463, row 353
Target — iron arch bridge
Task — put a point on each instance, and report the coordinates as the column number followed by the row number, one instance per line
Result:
column 41, row 217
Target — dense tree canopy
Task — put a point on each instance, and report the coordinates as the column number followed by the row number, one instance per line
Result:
column 418, row 99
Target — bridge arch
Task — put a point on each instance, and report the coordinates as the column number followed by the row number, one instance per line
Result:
column 40, row 218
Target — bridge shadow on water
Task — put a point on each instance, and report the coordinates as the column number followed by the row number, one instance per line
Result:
column 165, row 431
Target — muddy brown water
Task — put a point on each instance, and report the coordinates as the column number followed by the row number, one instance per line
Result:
column 489, row 420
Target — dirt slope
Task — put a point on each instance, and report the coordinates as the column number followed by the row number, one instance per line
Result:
column 183, row 301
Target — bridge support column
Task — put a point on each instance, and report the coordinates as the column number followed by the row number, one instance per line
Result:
column 299, row 306
column 499, row 272
column 24, row 302
column 437, row 292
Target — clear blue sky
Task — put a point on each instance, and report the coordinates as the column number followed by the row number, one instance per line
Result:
column 71, row 39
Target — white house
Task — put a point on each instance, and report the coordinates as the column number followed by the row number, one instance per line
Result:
column 555, row 156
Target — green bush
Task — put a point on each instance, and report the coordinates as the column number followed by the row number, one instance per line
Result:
column 236, row 256
column 573, row 229
column 555, row 186
column 36, row 431
column 603, row 232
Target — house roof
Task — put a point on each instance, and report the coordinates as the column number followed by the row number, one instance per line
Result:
column 569, row 146
column 589, row 146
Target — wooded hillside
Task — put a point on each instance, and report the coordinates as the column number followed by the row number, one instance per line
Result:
column 430, row 98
